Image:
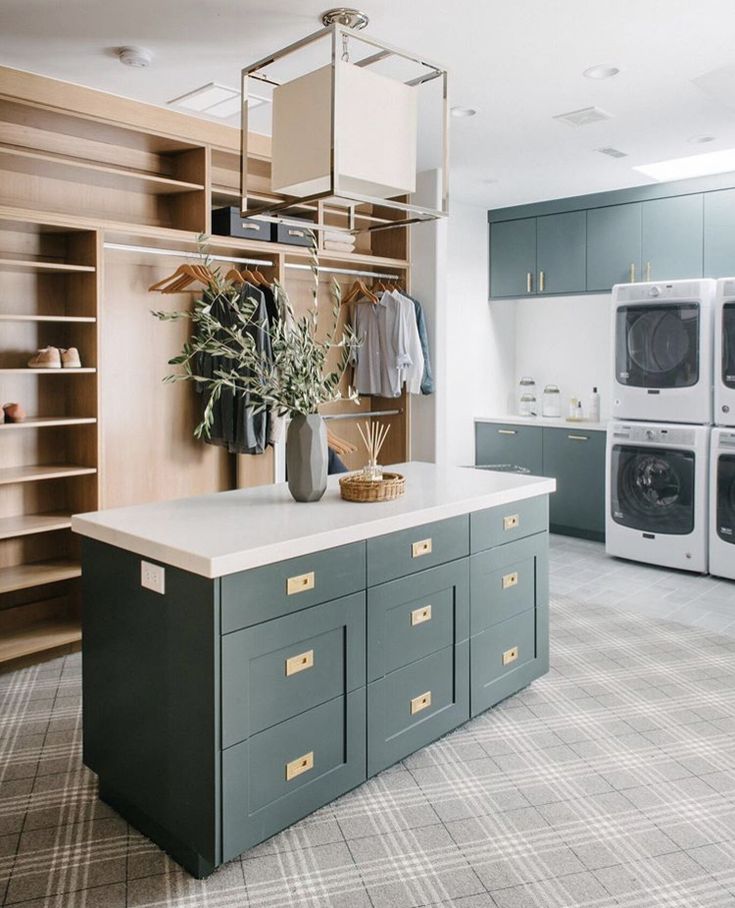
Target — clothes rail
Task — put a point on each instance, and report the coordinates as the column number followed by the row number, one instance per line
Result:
column 365, row 414
column 179, row 253
column 350, row 271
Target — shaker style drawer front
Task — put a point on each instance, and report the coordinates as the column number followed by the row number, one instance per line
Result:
column 410, row 618
column 505, row 523
column 282, row 774
column 278, row 589
column 408, row 551
column 508, row 444
column 284, row 667
column 503, row 650
column 417, row 704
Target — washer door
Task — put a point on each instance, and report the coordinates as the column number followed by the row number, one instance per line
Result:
column 657, row 346
column 653, row 489
column 726, row 497
column 728, row 345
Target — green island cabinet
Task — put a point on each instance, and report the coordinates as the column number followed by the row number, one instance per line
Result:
column 572, row 455
column 225, row 709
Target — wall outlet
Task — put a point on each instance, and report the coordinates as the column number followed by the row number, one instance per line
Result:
column 153, row 577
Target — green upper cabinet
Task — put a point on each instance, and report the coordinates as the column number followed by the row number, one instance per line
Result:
column 671, row 238
column 719, row 233
column 561, row 252
column 613, row 245
column 513, row 257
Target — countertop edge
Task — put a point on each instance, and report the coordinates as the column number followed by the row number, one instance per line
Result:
column 543, row 422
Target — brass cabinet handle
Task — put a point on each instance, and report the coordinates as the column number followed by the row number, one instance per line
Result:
column 299, row 663
column 541, row 281
column 648, row 271
column 511, row 522
column 420, row 615
column 299, row 765
column 632, row 273
column 529, row 282
column 510, row 580
column 423, row 701
column 422, row 547
column 578, row 437
column 300, row 584
column 507, row 432
column 510, row 655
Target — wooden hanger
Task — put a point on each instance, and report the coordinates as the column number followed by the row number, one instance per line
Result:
column 183, row 278
column 359, row 287
column 339, row 445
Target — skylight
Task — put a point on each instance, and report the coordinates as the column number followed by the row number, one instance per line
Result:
column 696, row 165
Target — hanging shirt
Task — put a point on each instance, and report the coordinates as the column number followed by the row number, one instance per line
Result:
column 427, row 380
column 411, row 364
column 381, row 354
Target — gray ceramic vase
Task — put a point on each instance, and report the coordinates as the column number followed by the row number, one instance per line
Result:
column 307, row 457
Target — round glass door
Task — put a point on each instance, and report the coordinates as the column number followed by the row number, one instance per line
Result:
column 728, row 345
column 653, row 489
column 658, row 346
column 726, row 497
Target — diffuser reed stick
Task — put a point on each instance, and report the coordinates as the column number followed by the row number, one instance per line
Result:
column 373, row 438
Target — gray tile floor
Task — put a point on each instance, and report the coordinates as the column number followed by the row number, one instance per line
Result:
column 609, row 782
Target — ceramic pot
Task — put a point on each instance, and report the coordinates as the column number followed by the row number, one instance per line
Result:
column 307, row 457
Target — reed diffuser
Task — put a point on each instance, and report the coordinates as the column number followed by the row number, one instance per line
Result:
column 373, row 438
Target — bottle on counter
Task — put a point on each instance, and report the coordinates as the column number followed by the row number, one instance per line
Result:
column 594, row 413
column 572, row 407
column 551, row 405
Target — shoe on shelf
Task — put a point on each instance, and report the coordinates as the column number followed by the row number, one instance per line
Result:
column 13, row 413
column 46, row 358
column 70, row 358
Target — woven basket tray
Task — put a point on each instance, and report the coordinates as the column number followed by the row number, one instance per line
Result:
column 355, row 488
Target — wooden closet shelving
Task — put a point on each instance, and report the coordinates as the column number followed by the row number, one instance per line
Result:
column 27, row 525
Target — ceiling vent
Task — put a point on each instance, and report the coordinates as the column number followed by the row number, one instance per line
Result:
column 583, row 117
column 613, row 152
column 215, row 100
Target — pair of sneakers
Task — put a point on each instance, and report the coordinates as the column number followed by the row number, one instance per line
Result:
column 55, row 358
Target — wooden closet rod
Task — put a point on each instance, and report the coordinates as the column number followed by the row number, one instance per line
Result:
column 178, row 253
column 387, row 277
column 364, row 414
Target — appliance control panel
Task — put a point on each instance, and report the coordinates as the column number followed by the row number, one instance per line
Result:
column 727, row 439
column 668, row 435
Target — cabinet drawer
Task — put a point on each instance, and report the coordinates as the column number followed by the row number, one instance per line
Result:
column 281, row 668
column 417, row 704
column 496, row 526
column 507, row 580
column 278, row 589
column 408, row 551
column 282, row 774
column 415, row 616
column 508, row 444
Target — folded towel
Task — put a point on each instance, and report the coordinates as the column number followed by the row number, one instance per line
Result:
column 338, row 236
column 339, row 247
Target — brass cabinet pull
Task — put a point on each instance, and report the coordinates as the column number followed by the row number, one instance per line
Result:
column 510, row 655
column 632, row 273
column 578, row 437
column 511, row 522
column 420, row 615
column 300, row 584
column 507, row 431
column 299, row 765
column 422, row 547
column 300, row 663
column 648, row 271
column 423, row 701
column 541, row 281
column 510, row 580
column 529, row 282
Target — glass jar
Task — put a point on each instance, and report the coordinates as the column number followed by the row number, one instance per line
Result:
column 527, row 404
column 552, row 402
column 372, row 472
column 526, row 386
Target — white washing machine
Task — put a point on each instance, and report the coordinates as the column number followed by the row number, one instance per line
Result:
column 656, row 493
column 724, row 356
column 722, row 505
column 662, row 351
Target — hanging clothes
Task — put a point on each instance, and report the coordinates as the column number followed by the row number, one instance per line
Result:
column 427, row 379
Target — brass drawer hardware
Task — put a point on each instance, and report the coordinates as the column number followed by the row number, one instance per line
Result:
column 300, row 584
column 420, row 615
column 632, row 273
column 423, row 701
column 299, row 765
column 529, row 282
column 299, row 663
column 510, row 655
column 541, row 281
column 422, row 547
column 507, row 432
column 511, row 522
column 648, row 271
column 510, row 580
column 578, row 437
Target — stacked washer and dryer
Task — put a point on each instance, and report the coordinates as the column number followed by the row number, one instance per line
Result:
column 722, row 472
column 658, row 444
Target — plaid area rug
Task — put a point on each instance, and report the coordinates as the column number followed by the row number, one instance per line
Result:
column 611, row 781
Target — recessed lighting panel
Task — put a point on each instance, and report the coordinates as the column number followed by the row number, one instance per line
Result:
column 601, row 71
column 463, row 112
column 583, row 117
column 215, row 100
column 696, row 165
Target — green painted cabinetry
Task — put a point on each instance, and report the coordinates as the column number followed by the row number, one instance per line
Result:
column 508, row 445
column 671, row 238
column 719, row 233
column 513, row 257
column 613, row 246
column 561, row 253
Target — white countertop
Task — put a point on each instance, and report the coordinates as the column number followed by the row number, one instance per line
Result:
column 220, row 534
column 558, row 422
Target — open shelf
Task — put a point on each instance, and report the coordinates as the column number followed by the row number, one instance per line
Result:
column 83, row 319
column 30, row 524
column 48, row 422
column 9, row 264
column 10, row 475
column 26, row 370
column 39, row 638
column 38, row 573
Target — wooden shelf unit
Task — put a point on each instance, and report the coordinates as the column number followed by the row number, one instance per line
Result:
column 29, row 524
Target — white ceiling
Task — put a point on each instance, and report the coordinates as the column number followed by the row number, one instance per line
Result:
column 518, row 62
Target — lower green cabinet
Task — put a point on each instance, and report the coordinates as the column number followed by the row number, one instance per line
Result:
column 498, row 444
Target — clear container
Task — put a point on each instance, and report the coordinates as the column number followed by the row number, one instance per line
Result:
column 527, row 405
column 526, row 386
column 372, row 471
column 552, row 402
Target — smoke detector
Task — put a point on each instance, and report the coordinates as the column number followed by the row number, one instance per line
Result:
column 583, row 117
column 138, row 57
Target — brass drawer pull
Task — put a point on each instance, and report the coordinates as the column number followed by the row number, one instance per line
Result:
column 541, row 281
column 529, row 282
column 510, row 580
column 578, row 437
column 422, row 547
column 300, row 584
column 423, row 701
column 510, row 655
column 507, row 432
column 299, row 765
column 300, row 663
column 420, row 615
column 511, row 522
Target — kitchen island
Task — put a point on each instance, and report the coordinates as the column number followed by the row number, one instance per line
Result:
column 247, row 659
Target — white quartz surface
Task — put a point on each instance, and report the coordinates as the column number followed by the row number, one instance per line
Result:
column 555, row 423
column 220, row 534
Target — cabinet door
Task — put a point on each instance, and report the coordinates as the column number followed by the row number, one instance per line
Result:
column 512, row 257
column 671, row 238
column 517, row 446
column 719, row 233
column 613, row 245
column 561, row 255
column 576, row 459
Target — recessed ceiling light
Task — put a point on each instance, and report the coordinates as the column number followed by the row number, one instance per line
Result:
column 463, row 112
column 601, row 71
column 215, row 100
column 695, row 165
column 701, row 140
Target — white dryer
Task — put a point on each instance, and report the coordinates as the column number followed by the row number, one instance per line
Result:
column 724, row 357
column 722, row 505
column 656, row 494
column 662, row 351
